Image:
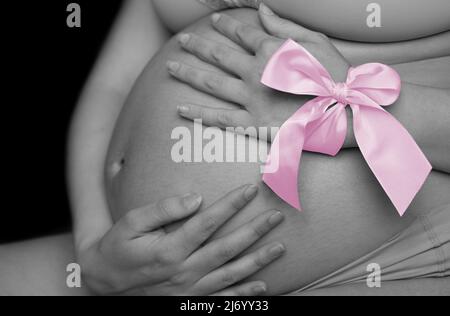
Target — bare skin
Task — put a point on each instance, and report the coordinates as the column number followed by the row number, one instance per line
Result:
column 401, row 20
column 37, row 260
column 335, row 191
column 107, row 89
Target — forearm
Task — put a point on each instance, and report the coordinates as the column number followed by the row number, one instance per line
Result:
column 90, row 135
column 395, row 53
column 425, row 113
column 431, row 72
column 136, row 36
column 424, row 61
column 416, row 287
column 38, row 268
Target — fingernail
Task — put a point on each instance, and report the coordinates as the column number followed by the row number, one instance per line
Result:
column 276, row 251
column 250, row 192
column 276, row 219
column 216, row 17
column 173, row 66
column 183, row 110
column 265, row 9
column 192, row 201
column 259, row 289
column 184, row 38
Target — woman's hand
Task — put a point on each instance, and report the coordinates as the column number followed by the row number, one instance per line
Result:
column 138, row 256
column 260, row 106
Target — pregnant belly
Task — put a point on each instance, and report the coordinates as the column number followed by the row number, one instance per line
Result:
column 346, row 214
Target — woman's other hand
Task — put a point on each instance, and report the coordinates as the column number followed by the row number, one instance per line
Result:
column 138, row 256
column 258, row 106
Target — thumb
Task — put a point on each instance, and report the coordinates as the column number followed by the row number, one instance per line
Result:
column 165, row 212
column 283, row 28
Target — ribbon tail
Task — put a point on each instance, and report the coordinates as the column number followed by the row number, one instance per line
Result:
column 392, row 154
column 282, row 167
column 283, row 163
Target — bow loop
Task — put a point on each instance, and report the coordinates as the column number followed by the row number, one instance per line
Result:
column 379, row 82
column 294, row 70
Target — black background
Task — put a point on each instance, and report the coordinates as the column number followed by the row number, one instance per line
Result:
column 45, row 67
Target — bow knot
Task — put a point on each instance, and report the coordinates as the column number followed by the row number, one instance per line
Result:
column 391, row 153
column 340, row 92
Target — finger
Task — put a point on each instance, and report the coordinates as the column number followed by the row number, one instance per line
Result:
column 221, row 118
column 244, row 35
column 246, row 289
column 155, row 216
column 202, row 226
column 283, row 28
column 221, row 86
column 241, row 269
column 221, row 251
column 217, row 54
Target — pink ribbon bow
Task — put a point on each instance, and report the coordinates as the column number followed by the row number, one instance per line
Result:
column 318, row 126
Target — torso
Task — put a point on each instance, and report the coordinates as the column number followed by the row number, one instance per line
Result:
column 346, row 213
